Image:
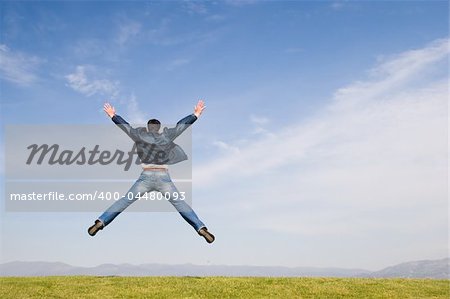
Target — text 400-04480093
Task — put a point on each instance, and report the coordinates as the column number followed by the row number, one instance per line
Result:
column 180, row 195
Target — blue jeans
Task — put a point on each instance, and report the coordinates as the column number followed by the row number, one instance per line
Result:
column 152, row 181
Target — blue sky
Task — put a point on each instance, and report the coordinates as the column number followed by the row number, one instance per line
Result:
column 323, row 142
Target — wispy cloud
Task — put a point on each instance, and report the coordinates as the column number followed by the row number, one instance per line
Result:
column 88, row 48
column 162, row 35
column 134, row 113
column 196, row 7
column 377, row 148
column 18, row 67
column 389, row 87
column 84, row 81
column 259, row 123
column 394, row 73
column 258, row 120
column 293, row 50
column 216, row 18
column 240, row 2
column 227, row 148
column 176, row 63
column 127, row 31
column 165, row 35
column 337, row 5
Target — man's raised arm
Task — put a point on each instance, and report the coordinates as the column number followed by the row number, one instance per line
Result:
column 184, row 123
column 119, row 121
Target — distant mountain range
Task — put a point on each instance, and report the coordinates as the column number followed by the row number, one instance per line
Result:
column 416, row 269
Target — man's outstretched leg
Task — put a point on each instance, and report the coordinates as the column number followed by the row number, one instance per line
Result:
column 189, row 215
column 139, row 188
column 166, row 186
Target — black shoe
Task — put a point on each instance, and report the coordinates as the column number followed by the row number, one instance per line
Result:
column 206, row 234
column 98, row 225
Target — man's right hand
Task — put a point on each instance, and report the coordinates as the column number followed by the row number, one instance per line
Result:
column 109, row 110
column 198, row 109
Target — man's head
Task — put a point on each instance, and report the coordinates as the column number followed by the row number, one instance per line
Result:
column 153, row 125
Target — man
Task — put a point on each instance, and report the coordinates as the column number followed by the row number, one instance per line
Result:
column 155, row 150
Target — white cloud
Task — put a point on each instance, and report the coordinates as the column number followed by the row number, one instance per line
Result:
column 259, row 123
column 89, row 47
column 165, row 35
column 84, row 80
column 240, row 2
column 258, row 120
column 127, row 31
column 176, row 63
column 354, row 109
column 293, row 50
column 373, row 162
column 84, row 84
column 196, row 7
column 17, row 67
column 394, row 73
column 223, row 146
column 134, row 113
column 215, row 18
column 161, row 35
column 337, row 5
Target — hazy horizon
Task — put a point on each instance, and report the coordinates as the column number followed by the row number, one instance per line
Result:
column 324, row 142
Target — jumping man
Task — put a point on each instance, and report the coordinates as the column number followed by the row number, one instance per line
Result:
column 155, row 174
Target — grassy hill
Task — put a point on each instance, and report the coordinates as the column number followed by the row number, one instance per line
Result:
column 219, row 287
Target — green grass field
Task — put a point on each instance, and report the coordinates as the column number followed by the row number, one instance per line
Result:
column 219, row 287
